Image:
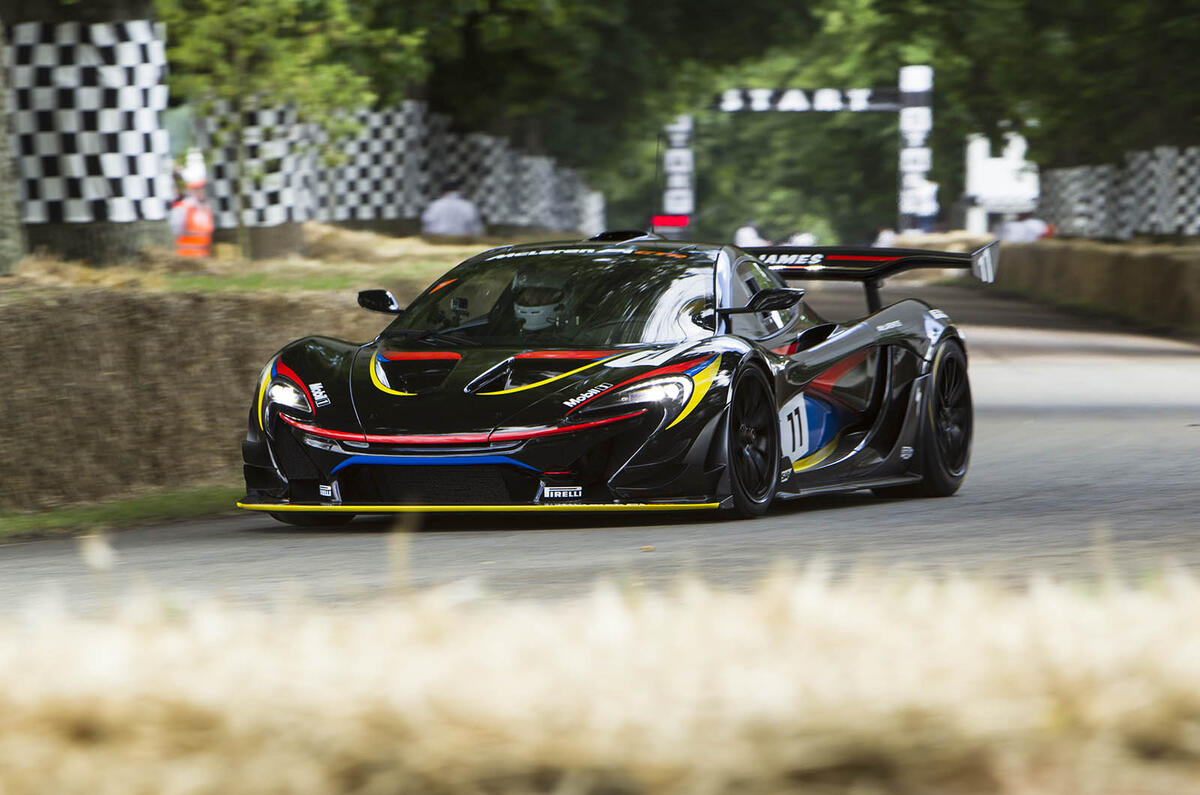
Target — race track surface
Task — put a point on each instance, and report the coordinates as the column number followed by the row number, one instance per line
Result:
column 1086, row 460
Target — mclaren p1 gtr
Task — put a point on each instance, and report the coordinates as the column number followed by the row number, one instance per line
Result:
column 623, row 372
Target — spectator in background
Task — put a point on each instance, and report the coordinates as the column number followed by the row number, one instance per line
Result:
column 885, row 238
column 748, row 235
column 1024, row 229
column 192, row 222
column 802, row 239
column 451, row 215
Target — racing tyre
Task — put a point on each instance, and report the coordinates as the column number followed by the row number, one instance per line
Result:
column 315, row 519
column 753, row 443
column 947, row 419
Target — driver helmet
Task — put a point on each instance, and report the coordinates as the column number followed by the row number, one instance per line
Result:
column 538, row 297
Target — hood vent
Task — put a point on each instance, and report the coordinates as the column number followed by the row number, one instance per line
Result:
column 417, row 372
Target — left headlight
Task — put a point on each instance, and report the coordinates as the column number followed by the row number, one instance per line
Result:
column 670, row 392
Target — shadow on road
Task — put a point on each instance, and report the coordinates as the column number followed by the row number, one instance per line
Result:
column 502, row 522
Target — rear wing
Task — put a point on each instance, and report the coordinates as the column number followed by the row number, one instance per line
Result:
column 870, row 265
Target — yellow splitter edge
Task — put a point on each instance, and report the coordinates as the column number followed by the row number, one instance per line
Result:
column 683, row 506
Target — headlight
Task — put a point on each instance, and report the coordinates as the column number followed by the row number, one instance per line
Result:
column 670, row 392
column 286, row 394
column 277, row 391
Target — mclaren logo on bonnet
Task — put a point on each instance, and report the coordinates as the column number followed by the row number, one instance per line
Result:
column 591, row 393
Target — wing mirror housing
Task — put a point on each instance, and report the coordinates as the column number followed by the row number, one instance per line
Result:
column 379, row 301
column 772, row 299
column 706, row 318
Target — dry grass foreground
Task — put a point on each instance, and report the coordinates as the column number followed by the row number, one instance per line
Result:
column 871, row 685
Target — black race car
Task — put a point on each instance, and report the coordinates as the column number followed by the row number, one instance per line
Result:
column 624, row 372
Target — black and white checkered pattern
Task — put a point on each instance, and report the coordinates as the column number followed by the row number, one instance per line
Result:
column 396, row 164
column 535, row 187
column 376, row 173
column 86, row 103
column 1154, row 192
column 493, row 190
column 273, row 189
column 1187, row 192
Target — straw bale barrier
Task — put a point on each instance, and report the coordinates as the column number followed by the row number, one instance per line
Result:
column 108, row 392
column 875, row 685
column 1154, row 284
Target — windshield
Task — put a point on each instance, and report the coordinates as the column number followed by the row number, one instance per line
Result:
column 569, row 297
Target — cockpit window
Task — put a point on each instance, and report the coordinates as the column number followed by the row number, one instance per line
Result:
column 587, row 296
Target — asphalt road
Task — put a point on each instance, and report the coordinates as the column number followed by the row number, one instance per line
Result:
column 1086, row 455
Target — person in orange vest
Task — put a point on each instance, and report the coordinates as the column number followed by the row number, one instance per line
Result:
column 192, row 223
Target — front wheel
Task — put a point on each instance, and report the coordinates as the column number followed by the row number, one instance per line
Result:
column 947, row 421
column 753, row 443
column 314, row 519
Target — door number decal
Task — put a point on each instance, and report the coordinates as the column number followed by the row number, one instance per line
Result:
column 793, row 428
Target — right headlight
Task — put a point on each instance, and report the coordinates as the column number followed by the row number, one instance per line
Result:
column 670, row 392
column 277, row 390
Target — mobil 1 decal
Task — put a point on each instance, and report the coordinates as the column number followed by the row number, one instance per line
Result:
column 793, row 427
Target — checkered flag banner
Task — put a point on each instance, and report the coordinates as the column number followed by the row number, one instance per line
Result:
column 86, row 102
column 1154, row 192
column 396, row 164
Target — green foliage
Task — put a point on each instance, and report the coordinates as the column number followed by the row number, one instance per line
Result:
column 301, row 53
column 592, row 83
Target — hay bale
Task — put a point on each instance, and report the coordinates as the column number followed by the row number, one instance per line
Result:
column 117, row 391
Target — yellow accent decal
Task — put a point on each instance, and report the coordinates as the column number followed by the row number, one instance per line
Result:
column 810, row 461
column 379, row 384
column 552, row 378
column 700, row 384
column 262, row 391
column 658, row 506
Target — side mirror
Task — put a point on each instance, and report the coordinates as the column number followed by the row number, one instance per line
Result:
column 706, row 318
column 772, row 299
column 379, row 301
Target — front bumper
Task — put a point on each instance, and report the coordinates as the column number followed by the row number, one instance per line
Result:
column 622, row 466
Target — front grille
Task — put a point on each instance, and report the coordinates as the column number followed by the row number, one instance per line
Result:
column 437, row 485
column 292, row 458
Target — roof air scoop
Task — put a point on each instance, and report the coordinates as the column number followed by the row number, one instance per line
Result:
column 622, row 236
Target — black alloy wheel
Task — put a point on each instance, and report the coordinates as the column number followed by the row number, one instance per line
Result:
column 947, row 422
column 951, row 410
column 753, row 443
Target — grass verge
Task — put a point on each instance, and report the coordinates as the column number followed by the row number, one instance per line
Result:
column 878, row 684
column 167, row 505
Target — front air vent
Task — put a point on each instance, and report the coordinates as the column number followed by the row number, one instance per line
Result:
column 417, row 372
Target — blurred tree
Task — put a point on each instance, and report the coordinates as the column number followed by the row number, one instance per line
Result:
column 243, row 54
column 1084, row 80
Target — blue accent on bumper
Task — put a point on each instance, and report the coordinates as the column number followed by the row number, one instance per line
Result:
column 462, row 460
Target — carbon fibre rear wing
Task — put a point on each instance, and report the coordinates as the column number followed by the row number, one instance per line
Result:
column 870, row 265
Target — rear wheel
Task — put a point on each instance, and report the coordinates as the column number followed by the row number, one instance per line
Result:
column 947, row 421
column 753, row 443
column 315, row 519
